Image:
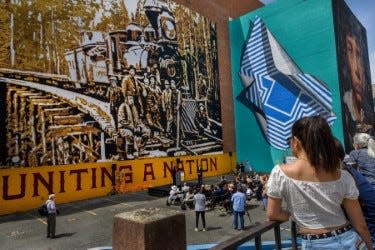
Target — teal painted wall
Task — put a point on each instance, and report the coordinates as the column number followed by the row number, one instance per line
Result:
column 305, row 29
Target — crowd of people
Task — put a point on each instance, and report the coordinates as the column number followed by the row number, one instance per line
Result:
column 328, row 194
column 230, row 195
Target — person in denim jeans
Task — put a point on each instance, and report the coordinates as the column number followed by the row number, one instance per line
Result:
column 320, row 197
column 342, row 241
column 239, row 201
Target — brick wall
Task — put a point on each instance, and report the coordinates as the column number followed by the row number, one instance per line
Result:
column 219, row 12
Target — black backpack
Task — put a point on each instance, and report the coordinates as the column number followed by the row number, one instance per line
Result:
column 42, row 210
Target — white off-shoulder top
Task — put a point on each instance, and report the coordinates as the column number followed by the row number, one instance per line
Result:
column 313, row 205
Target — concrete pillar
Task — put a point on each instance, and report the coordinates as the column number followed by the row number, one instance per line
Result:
column 151, row 228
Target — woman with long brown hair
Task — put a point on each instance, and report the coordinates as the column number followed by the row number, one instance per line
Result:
column 314, row 188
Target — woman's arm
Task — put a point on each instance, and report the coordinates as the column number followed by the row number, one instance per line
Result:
column 275, row 211
column 354, row 212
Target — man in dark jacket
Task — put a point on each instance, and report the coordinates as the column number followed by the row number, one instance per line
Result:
column 200, row 175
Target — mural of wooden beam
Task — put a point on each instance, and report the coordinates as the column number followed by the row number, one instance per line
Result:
column 58, row 131
column 68, row 119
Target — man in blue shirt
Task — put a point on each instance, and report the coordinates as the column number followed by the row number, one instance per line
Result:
column 364, row 155
column 239, row 201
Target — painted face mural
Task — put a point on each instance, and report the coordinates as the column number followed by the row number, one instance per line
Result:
column 91, row 87
column 357, row 74
column 276, row 87
column 354, row 74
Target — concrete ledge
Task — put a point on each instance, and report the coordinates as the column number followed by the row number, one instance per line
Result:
column 151, row 228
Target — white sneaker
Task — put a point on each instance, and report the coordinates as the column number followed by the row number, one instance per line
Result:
column 196, row 229
column 204, row 229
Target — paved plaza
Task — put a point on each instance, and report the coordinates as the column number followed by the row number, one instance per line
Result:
column 88, row 224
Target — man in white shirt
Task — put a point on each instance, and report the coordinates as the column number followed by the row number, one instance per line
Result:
column 51, row 217
column 200, row 207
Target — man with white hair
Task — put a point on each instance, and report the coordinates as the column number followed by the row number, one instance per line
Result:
column 51, row 217
column 173, row 195
column 364, row 156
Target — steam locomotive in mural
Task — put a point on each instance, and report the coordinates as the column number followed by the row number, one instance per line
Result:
column 152, row 49
column 152, row 53
column 129, row 93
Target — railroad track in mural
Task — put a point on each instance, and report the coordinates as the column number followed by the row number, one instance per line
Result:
column 48, row 121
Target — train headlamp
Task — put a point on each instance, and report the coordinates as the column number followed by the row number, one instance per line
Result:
column 169, row 28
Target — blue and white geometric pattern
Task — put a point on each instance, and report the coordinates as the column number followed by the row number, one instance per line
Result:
column 278, row 88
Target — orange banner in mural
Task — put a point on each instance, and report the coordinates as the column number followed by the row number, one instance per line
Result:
column 27, row 188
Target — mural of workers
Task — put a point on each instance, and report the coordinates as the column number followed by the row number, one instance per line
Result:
column 126, row 128
column 189, row 64
column 202, row 87
column 354, row 74
column 131, row 87
column 141, row 136
column 115, row 98
column 167, row 106
column 176, row 101
column 152, row 100
column 130, row 90
column 201, row 119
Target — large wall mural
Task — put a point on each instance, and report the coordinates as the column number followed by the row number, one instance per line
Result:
column 89, row 81
column 279, row 91
column 288, row 69
column 354, row 74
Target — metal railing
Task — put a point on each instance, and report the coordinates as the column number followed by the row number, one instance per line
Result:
column 256, row 234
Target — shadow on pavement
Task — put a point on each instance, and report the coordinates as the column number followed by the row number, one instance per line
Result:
column 213, row 228
column 64, row 235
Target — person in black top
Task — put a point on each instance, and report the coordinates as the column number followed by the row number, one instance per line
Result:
column 200, row 175
column 242, row 168
column 174, row 174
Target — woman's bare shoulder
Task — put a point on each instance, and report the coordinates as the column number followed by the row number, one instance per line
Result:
column 292, row 170
column 288, row 167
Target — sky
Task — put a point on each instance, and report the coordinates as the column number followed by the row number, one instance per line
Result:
column 363, row 10
column 131, row 5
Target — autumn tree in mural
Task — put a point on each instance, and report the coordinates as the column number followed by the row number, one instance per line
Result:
column 87, row 81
